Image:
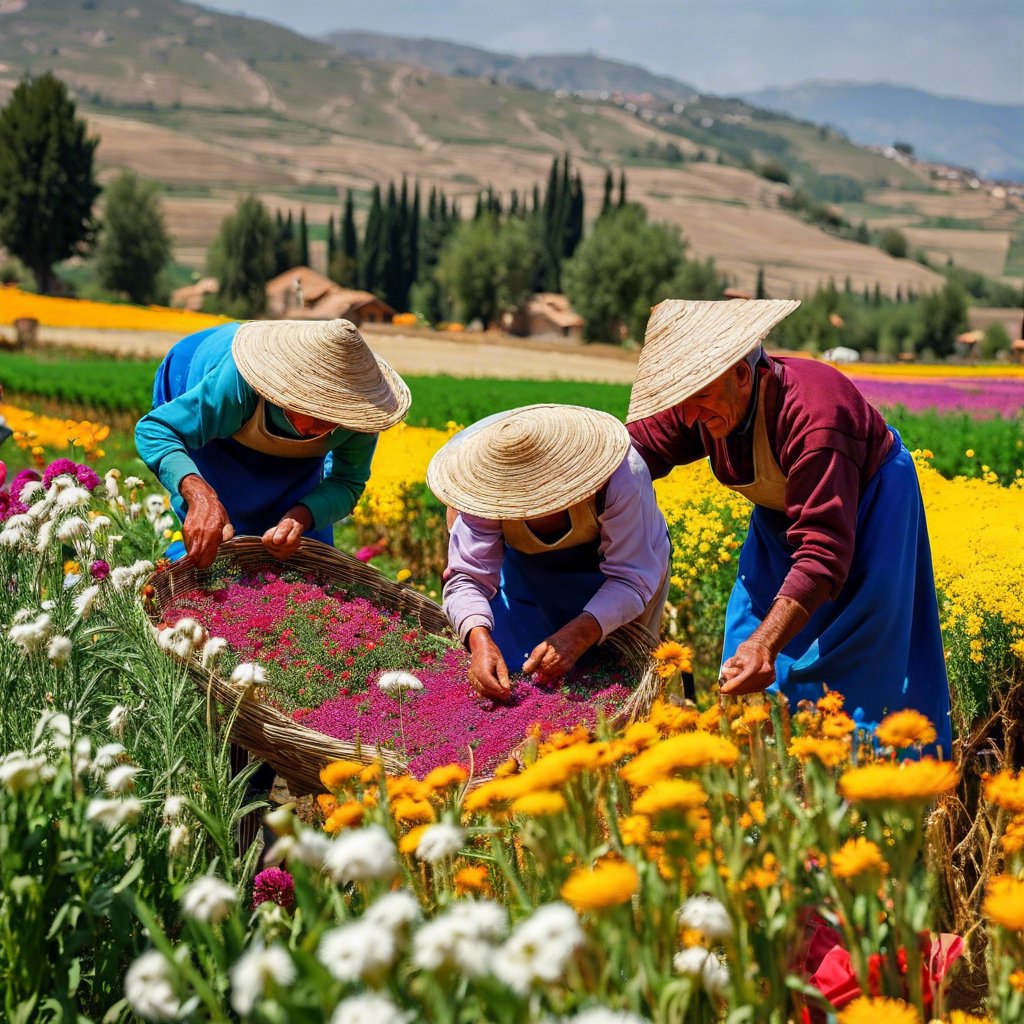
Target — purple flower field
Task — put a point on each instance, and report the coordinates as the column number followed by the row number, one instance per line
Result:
column 979, row 396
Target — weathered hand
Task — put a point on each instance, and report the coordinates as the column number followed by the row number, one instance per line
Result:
column 206, row 522
column 750, row 670
column 488, row 672
column 556, row 656
column 282, row 541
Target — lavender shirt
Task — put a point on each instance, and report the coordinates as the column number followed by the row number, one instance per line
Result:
column 634, row 547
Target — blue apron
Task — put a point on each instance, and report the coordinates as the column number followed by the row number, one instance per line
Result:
column 255, row 488
column 879, row 642
column 539, row 594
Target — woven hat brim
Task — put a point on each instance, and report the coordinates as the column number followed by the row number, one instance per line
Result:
column 690, row 344
column 529, row 461
column 323, row 369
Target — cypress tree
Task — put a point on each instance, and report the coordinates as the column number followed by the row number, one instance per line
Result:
column 331, row 246
column 622, row 188
column 303, row 249
column 759, row 292
column 413, row 244
column 349, row 239
column 369, row 252
column 609, row 186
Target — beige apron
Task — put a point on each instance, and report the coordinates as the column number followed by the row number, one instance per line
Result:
column 255, row 434
column 768, row 488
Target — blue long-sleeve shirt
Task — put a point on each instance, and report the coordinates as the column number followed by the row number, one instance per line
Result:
column 216, row 402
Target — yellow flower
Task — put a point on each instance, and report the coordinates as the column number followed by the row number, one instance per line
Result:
column 471, row 879
column 640, row 735
column 764, row 876
column 669, row 718
column 486, row 796
column 835, row 727
column 339, row 772
column 536, row 805
column 960, row 1017
column 709, row 720
column 856, row 857
column 344, row 816
column 446, row 775
column 1013, row 838
column 904, row 782
column 829, row 752
column 403, row 574
column 327, row 803
column 879, row 1011
column 670, row 795
column 409, row 811
column 905, row 729
column 1006, row 790
column 673, row 657
column 635, row 830
column 755, row 714
column 1017, row 981
column 408, row 843
column 687, row 751
column 406, row 786
column 1004, row 903
column 71, row 567
column 831, row 703
column 607, row 884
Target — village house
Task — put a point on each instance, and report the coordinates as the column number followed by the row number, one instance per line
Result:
column 300, row 293
column 192, row 295
column 546, row 313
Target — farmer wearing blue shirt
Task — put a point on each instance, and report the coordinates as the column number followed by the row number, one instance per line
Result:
column 267, row 428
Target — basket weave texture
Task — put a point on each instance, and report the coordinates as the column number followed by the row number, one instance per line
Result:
column 298, row 753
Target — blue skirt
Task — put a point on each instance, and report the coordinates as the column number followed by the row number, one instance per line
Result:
column 879, row 642
column 256, row 489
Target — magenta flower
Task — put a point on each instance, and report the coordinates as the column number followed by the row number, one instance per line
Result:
column 10, row 506
column 99, row 570
column 22, row 477
column 87, row 477
column 59, row 467
column 3, row 473
column 273, row 886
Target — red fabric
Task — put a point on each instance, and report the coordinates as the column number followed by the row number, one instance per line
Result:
column 825, row 437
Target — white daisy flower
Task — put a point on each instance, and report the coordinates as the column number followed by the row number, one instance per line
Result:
column 255, row 972
column 209, row 899
column 706, row 915
column 361, row 855
column 539, row 949
column 149, row 990
column 362, row 950
column 440, row 842
column 369, row 1008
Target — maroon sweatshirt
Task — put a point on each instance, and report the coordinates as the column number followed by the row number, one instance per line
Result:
column 827, row 440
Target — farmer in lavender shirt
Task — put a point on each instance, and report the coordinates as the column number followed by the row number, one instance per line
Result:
column 556, row 539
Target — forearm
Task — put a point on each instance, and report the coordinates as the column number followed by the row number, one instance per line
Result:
column 467, row 605
column 784, row 620
column 331, row 500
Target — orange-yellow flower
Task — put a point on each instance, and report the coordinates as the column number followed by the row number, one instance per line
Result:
column 836, row 727
column 471, row 879
column 755, row 714
column 408, row 843
column 635, row 829
column 907, row 782
column 1004, row 903
column 407, row 786
column 446, row 775
column 762, row 876
column 327, row 803
column 669, row 718
column 686, row 751
column 670, row 795
column 536, row 805
column 1006, row 790
column 672, row 657
column 829, row 752
column 488, row 795
column 1013, row 837
column 1017, row 981
column 857, row 857
column 606, row 884
column 409, row 811
column 337, row 773
column 831, row 703
column 866, row 1010
column 344, row 816
column 961, row 1017
column 905, row 729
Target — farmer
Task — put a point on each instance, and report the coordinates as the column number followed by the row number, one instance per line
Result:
column 557, row 541
column 244, row 418
column 835, row 583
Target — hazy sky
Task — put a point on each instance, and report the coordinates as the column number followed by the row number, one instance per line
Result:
column 971, row 48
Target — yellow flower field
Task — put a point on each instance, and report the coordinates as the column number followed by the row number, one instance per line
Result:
column 36, row 433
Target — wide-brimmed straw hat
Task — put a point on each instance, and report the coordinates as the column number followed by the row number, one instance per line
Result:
column 323, row 369
column 528, row 462
column 688, row 344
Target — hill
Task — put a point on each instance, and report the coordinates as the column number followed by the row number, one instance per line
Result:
column 987, row 137
column 572, row 72
column 212, row 105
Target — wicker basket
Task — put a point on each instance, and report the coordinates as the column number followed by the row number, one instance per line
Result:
column 298, row 753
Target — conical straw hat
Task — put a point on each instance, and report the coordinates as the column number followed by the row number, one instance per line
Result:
column 322, row 368
column 528, row 462
column 689, row 344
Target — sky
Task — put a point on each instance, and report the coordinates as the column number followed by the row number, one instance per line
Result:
column 968, row 48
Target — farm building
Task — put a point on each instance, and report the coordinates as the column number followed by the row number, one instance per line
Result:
column 546, row 313
column 302, row 294
column 192, row 295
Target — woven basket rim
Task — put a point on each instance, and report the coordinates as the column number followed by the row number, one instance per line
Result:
column 298, row 752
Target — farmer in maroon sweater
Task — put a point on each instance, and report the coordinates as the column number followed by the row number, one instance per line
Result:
column 835, row 585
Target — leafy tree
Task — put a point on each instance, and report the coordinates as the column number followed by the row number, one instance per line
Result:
column 241, row 257
column 696, row 279
column 995, row 340
column 134, row 246
column 303, row 245
column 609, row 186
column 894, row 242
column 47, row 185
column 516, row 257
column 469, row 267
column 942, row 316
column 620, row 270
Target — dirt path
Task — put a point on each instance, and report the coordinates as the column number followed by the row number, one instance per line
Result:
column 425, row 354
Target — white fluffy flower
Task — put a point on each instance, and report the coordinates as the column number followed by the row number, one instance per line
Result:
column 181, row 646
column 122, row 578
column 72, row 528
column 86, row 600
column 249, row 674
column 132, row 482
column 361, row 855
column 31, row 636
column 117, row 720
column 310, row 848
column 174, row 807
column 121, row 779
column 192, row 629
column 112, row 814
column 71, row 497
column 440, row 841
column 56, row 728
column 255, row 971
column 178, row 841
column 30, row 490
column 393, row 911
column 44, row 536
column 461, row 937
column 697, row 963
column 394, row 683
column 601, row 1015
column 213, row 649
column 706, row 915
column 154, row 506
column 209, row 899
column 148, row 988
column 58, row 650
column 12, row 537
column 540, row 948
column 107, row 755
column 99, row 523
column 82, row 760
column 19, row 522
column 20, row 773
column 110, row 484
column 369, row 1008
column 362, row 950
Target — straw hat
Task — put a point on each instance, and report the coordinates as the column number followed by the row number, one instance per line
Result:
column 323, row 369
column 528, row 462
column 689, row 344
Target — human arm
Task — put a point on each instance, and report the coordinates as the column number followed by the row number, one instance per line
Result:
column 336, row 495
column 752, row 668
column 206, row 523
column 664, row 441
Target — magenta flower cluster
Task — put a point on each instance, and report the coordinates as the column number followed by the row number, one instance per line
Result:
column 324, row 653
column 273, row 886
column 85, row 475
column 980, row 396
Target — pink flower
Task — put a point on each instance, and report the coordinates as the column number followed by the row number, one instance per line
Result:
column 99, row 570
column 59, row 467
column 22, row 477
column 273, row 886
column 87, row 477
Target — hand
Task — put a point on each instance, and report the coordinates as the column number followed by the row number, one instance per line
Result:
column 488, row 672
column 750, row 670
column 206, row 522
column 556, row 656
column 282, row 541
